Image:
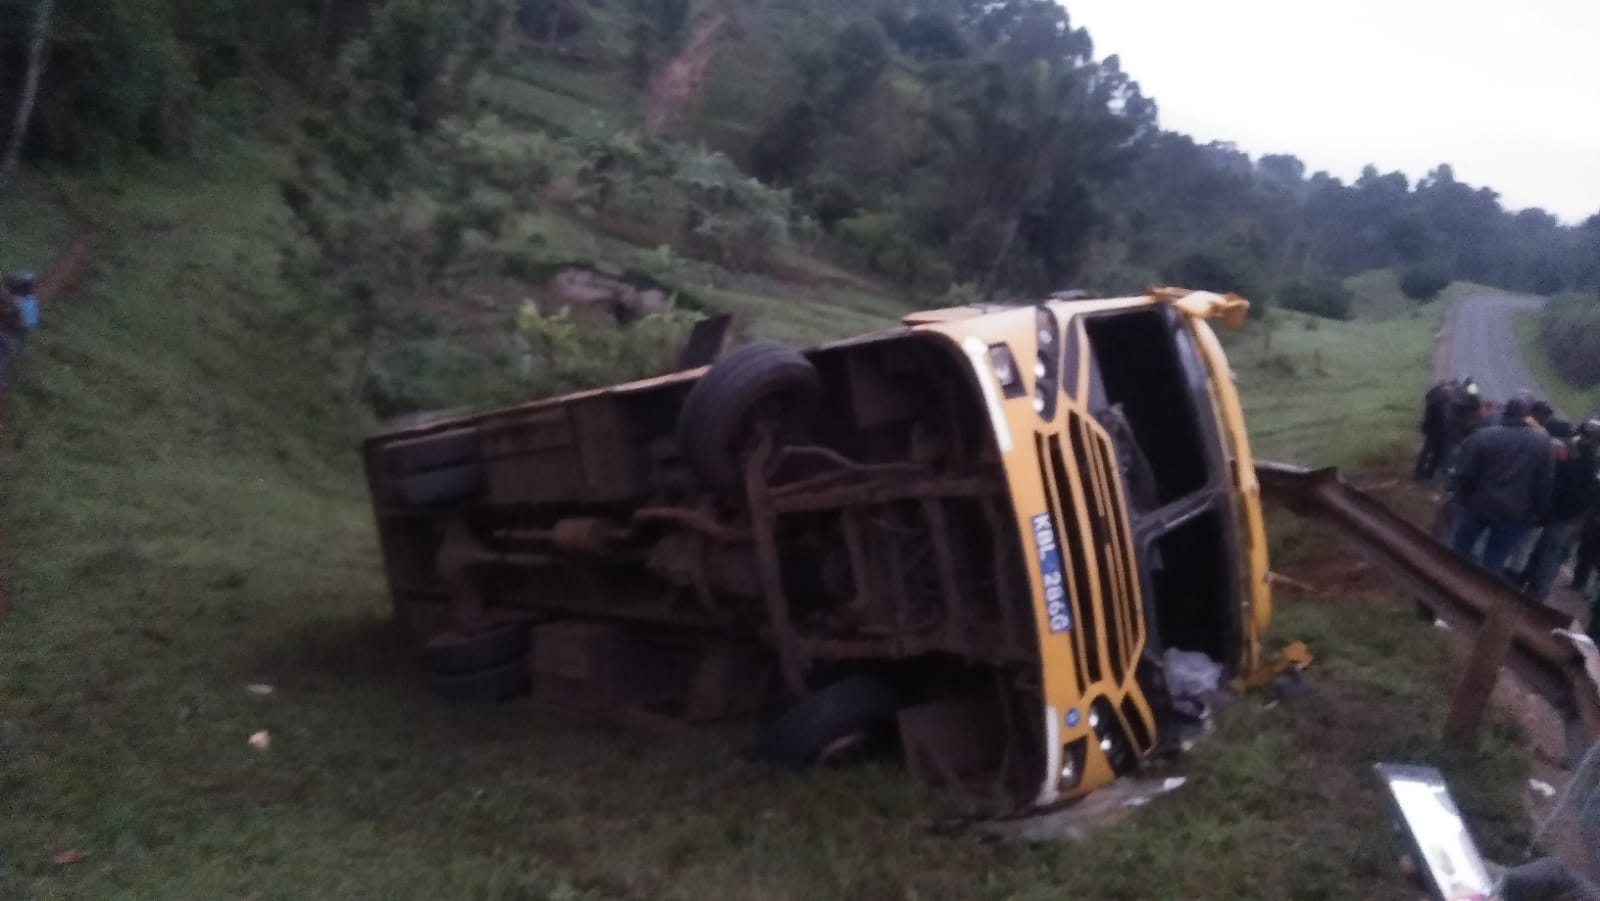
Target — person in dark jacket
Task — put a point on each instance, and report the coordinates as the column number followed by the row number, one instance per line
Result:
column 1469, row 411
column 1574, row 494
column 1503, row 481
column 1435, row 429
column 1587, row 562
column 1545, row 416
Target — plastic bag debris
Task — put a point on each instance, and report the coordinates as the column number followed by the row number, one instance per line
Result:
column 259, row 689
column 261, row 741
column 1192, row 678
column 1542, row 787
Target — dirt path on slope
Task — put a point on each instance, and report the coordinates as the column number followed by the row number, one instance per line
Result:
column 679, row 81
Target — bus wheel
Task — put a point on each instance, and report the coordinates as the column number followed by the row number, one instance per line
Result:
column 762, row 383
column 835, row 725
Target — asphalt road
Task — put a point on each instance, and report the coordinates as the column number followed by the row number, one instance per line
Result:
column 1478, row 340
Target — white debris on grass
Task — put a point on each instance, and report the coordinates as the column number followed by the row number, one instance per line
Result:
column 1106, row 807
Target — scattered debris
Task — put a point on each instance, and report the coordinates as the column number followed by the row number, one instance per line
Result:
column 261, row 741
column 1277, row 578
column 1441, row 624
column 1171, row 783
column 67, row 858
column 1542, row 787
column 1294, row 656
column 1106, row 807
column 1291, row 685
column 1192, row 679
column 259, row 689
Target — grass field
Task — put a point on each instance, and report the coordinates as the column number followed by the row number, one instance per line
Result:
column 1377, row 295
column 1570, row 400
column 184, row 517
column 1334, row 393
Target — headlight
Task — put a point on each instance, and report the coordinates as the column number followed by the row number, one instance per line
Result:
column 1108, row 735
column 1047, row 367
column 1004, row 365
column 1072, row 760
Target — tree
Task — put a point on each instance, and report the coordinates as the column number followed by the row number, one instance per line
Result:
column 927, row 36
column 30, row 88
column 859, row 56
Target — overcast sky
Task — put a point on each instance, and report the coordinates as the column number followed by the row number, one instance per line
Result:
column 1506, row 91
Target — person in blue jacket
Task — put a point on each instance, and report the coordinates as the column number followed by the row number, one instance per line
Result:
column 23, row 288
column 19, row 315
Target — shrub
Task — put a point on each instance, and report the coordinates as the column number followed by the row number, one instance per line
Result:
column 1569, row 332
column 1424, row 282
column 561, row 353
column 881, row 241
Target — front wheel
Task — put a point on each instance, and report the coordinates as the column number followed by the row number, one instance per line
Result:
column 765, row 383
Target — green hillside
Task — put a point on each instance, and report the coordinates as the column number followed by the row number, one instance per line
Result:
column 305, row 217
column 184, row 519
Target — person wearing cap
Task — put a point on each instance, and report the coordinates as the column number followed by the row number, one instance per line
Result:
column 1503, row 481
column 1574, row 494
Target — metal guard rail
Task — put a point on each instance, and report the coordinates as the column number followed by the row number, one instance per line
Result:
column 1454, row 589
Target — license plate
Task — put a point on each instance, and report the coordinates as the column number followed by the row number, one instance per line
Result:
column 1055, row 588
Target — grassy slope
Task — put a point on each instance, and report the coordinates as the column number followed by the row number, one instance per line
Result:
column 1571, row 400
column 185, row 518
column 1377, row 294
column 1321, row 392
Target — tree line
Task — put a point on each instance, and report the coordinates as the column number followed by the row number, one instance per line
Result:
column 970, row 145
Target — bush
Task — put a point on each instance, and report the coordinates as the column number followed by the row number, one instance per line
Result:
column 695, row 199
column 882, row 243
column 1328, row 299
column 415, row 374
column 1569, row 332
column 1424, row 282
column 561, row 353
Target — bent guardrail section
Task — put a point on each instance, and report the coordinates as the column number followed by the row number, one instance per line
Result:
column 1509, row 626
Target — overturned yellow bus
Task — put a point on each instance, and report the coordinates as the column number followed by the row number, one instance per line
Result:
column 970, row 539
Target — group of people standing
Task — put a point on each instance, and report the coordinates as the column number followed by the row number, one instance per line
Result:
column 1522, row 485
